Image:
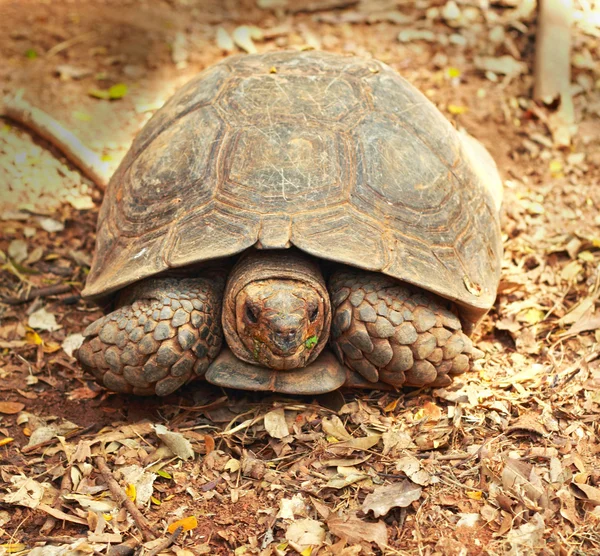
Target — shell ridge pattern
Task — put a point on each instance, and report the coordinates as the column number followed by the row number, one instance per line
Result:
column 313, row 140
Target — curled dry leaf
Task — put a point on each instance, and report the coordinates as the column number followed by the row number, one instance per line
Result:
column 176, row 442
column 386, row 497
column 586, row 492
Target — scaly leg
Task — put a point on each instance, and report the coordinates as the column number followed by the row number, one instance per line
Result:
column 391, row 332
column 165, row 333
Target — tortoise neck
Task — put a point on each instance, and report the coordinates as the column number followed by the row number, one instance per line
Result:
column 278, row 263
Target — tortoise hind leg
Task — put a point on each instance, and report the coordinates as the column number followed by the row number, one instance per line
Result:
column 396, row 334
column 165, row 333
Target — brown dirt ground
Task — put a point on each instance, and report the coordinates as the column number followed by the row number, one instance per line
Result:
column 509, row 457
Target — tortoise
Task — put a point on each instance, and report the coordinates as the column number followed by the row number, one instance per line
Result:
column 316, row 212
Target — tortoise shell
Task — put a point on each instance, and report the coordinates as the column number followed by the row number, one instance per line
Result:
column 338, row 156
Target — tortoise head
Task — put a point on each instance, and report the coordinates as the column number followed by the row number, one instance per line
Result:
column 276, row 312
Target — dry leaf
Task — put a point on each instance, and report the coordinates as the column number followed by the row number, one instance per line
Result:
column 275, row 423
column 17, row 250
column 187, row 523
column 10, row 408
column 304, row 533
column 586, row 492
column 291, row 507
column 386, row 497
column 357, row 531
column 71, row 343
column 224, row 40
column 176, row 442
column 43, row 320
column 333, row 426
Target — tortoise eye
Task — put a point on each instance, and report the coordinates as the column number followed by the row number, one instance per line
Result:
column 251, row 314
column 313, row 313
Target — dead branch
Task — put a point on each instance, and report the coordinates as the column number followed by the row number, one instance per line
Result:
column 166, row 543
column 86, row 160
column 122, row 498
column 47, row 291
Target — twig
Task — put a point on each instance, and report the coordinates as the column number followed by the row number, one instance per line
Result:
column 123, row 499
column 90, row 164
column 167, row 542
column 124, row 549
column 47, row 291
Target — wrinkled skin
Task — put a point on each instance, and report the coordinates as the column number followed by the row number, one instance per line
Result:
column 279, row 322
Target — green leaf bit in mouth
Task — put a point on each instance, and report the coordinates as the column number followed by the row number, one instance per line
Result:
column 311, row 342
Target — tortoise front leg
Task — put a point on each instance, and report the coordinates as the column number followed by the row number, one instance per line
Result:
column 396, row 334
column 165, row 333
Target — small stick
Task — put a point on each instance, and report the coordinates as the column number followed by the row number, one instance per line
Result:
column 166, row 543
column 90, row 164
column 123, row 499
column 47, row 291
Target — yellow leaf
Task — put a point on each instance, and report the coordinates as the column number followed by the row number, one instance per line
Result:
column 331, row 439
column 533, row 315
column 452, row 72
column 556, row 168
column 392, row 405
column 155, row 501
column 586, row 256
column 13, row 547
column 596, row 242
column 6, row 441
column 475, row 494
column 131, row 492
column 32, row 337
column 107, row 517
column 51, row 347
column 457, row 109
column 188, row 523
column 82, row 116
column 307, row 551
